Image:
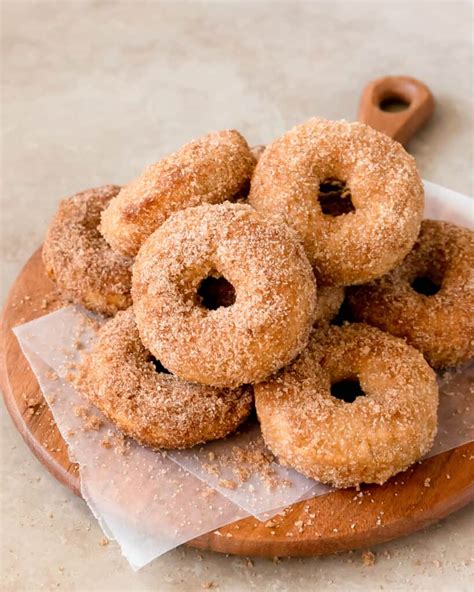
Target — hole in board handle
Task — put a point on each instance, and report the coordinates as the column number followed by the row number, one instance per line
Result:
column 393, row 104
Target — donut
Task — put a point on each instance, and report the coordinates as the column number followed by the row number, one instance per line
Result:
column 328, row 303
column 80, row 261
column 429, row 298
column 357, row 406
column 352, row 194
column 211, row 169
column 145, row 401
column 265, row 321
column 242, row 195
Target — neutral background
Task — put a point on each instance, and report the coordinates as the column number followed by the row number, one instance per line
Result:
column 93, row 91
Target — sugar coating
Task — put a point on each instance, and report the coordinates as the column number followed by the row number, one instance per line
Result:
column 79, row 260
column 270, row 322
column 441, row 326
column 368, row 440
column 266, row 327
column 329, row 302
column 210, row 169
column 155, row 408
column 385, row 187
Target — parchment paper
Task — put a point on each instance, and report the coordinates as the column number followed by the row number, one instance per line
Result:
column 141, row 498
column 151, row 502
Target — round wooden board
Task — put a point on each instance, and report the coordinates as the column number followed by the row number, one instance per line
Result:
column 326, row 524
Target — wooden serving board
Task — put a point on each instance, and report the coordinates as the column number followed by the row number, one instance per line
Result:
column 338, row 521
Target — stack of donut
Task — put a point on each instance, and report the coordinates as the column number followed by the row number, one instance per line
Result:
column 224, row 269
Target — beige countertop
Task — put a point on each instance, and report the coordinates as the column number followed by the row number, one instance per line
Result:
column 92, row 91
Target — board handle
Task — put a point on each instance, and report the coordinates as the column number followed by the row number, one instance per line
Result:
column 397, row 106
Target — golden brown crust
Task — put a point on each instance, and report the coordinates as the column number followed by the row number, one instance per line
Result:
column 385, row 187
column 441, row 325
column 155, row 408
column 78, row 258
column 368, row 440
column 211, row 169
column 266, row 327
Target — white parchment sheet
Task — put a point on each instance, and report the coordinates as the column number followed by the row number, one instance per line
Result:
column 151, row 502
column 141, row 498
column 59, row 338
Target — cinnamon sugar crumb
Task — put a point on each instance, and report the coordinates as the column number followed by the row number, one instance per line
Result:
column 122, row 446
column 299, row 525
column 81, row 411
column 93, row 423
column 105, row 442
column 228, row 483
column 368, row 558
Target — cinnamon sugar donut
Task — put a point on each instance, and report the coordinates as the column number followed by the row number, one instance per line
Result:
column 328, row 303
column 312, row 418
column 79, row 260
column 353, row 195
column 137, row 394
column 267, row 317
column 208, row 170
column 429, row 298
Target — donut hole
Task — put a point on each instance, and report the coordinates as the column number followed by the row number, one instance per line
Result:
column 347, row 390
column 158, row 365
column 344, row 314
column 393, row 104
column 215, row 292
column 334, row 197
column 426, row 286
